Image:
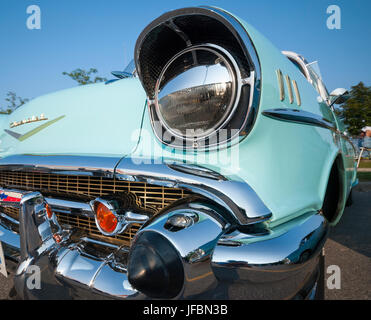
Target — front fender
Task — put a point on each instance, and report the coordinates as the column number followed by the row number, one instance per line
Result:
column 102, row 118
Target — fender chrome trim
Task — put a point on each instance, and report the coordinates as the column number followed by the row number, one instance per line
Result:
column 299, row 116
column 304, row 117
column 236, row 197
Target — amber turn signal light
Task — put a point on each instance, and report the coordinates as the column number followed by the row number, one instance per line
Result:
column 106, row 219
column 57, row 238
column 49, row 211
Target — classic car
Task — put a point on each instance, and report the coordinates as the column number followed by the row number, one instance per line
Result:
column 212, row 170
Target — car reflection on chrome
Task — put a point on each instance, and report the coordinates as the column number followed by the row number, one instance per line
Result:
column 117, row 193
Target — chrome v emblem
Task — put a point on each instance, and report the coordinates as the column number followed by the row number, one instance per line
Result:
column 22, row 137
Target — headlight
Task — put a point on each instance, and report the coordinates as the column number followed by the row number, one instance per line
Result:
column 201, row 74
column 196, row 91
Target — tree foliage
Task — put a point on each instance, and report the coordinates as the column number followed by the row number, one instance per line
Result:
column 13, row 101
column 84, row 77
column 356, row 111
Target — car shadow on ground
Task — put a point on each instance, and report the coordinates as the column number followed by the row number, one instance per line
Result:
column 353, row 230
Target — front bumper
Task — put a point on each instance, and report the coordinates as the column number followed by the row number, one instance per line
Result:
column 217, row 265
column 9, row 237
column 220, row 258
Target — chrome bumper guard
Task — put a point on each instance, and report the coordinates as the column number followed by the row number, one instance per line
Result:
column 218, row 264
column 9, row 229
column 9, row 239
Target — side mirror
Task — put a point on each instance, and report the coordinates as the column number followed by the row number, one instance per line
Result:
column 339, row 96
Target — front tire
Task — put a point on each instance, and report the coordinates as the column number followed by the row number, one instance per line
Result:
column 350, row 199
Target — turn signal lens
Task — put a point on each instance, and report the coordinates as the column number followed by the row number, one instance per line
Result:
column 105, row 217
column 57, row 238
column 49, row 211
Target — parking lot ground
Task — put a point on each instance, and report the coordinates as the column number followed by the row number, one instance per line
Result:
column 5, row 286
column 348, row 246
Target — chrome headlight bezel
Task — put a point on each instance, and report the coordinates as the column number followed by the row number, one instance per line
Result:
column 180, row 29
column 236, row 80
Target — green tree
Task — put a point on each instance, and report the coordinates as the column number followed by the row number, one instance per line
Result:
column 356, row 111
column 14, row 102
column 84, row 77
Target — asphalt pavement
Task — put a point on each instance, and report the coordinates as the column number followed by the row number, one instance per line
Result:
column 348, row 247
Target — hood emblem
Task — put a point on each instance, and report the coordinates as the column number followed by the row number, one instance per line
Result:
column 22, row 137
column 29, row 120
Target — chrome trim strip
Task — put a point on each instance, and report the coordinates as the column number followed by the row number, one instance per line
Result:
column 61, row 164
column 56, row 204
column 303, row 67
column 305, row 117
column 297, row 93
column 10, row 219
column 288, row 83
column 107, row 244
column 245, row 39
column 237, row 197
column 196, row 171
column 13, row 134
column 299, row 116
column 68, row 206
column 280, row 84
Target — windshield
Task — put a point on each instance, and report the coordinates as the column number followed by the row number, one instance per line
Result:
column 315, row 75
column 130, row 68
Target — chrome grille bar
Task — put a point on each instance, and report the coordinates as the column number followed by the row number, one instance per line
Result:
column 151, row 196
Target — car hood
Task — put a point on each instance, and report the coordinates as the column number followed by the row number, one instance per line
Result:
column 97, row 119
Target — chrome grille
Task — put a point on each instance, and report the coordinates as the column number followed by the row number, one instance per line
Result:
column 149, row 197
column 11, row 212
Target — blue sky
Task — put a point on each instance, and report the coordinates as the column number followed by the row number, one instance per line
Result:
column 102, row 34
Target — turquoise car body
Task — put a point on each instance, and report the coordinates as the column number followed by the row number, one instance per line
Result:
column 287, row 164
column 95, row 120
